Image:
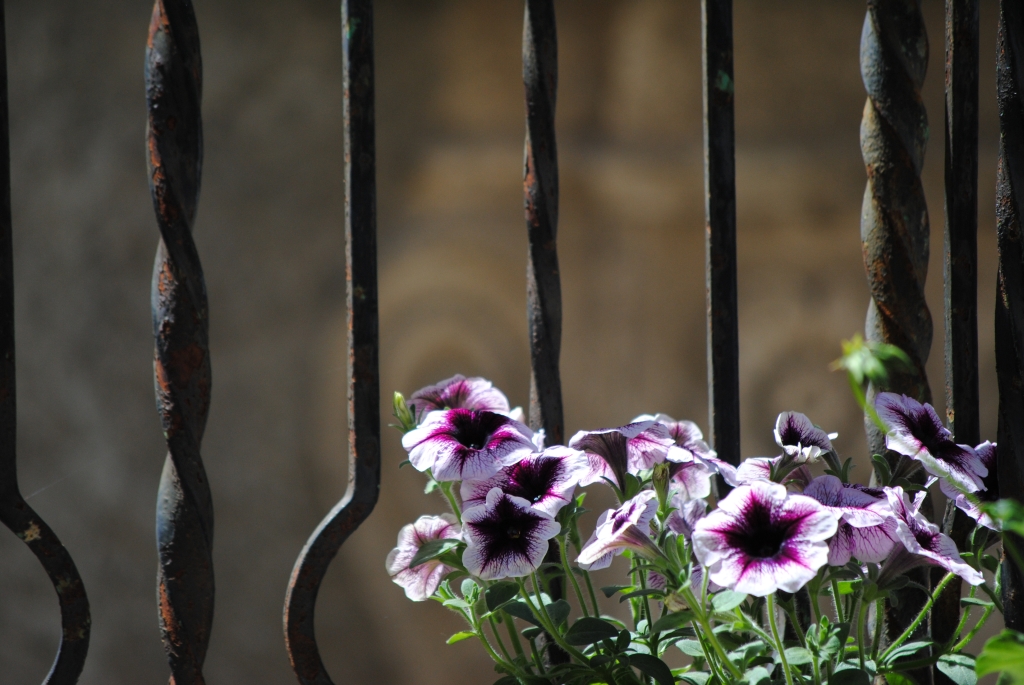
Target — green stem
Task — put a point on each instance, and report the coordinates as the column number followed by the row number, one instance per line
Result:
column 541, row 615
column 572, row 577
column 816, row 669
column 862, row 618
column 974, row 631
column 513, row 635
column 920, row 616
column 709, row 633
column 837, row 601
column 996, row 599
column 497, row 638
column 709, row 653
column 590, row 591
column 876, row 641
column 446, row 488
column 797, row 628
column 778, row 643
column 963, row 619
column 862, row 400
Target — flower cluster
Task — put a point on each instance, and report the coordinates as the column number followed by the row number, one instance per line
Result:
column 783, row 527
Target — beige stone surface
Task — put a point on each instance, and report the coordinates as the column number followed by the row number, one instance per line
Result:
column 452, row 292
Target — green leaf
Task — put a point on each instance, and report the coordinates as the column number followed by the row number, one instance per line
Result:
column 653, row 667
column 558, row 611
column 430, row 486
column 641, row 593
column 849, row 676
column 1004, row 652
column 695, row 677
column 846, row 587
column 798, row 656
column 458, row 603
column 1009, row 513
column 756, row 675
column 727, row 600
column 898, row 679
column 958, row 667
column 460, row 636
column 588, row 630
column 432, row 549
column 500, row 593
column 908, row 649
column 520, row 610
column 671, row 621
column 974, row 601
column 532, row 632
column 610, row 590
column 690, row 648
column 507, row 680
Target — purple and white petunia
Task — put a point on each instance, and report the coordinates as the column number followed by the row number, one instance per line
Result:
column 466, row 444
column 761, row 539
column 986, row 451
column 614, row 452
column 755, row 469
column 546, row 480
column 923, row 539
column 457, row 392
column 694, row 463
column 795, row 434
column 867, row 528
column 627, row 527
column 421, row 582
column 917, row 432
column 687, row 512
column 505, row 537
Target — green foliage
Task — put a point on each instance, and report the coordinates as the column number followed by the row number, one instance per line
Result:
column 588, row 630
column 871, row 361
column 432, row 549
column 1004, row 652
column 958, row 667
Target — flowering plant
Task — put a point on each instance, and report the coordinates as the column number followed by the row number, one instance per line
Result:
column 782, row 579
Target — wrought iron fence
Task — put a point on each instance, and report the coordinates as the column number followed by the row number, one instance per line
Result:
column 894, row 227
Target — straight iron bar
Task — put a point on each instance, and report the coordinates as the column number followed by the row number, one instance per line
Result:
column 720, row 225
column 363, row 348
column 960, row 271
column 1010, row 291
column 15, row 512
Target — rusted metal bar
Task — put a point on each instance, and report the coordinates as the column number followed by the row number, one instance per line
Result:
column 1010, row 293
column 540, row 190
column 894, row 218
column 15, row 512
column 363, row 348
column 184, row 517
column 720, row 227
column 543, row 282
column 960, row 261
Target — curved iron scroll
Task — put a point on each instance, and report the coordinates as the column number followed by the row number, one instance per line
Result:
column 15, row 512
column 363, row 376
column 1010, row 292
column 184, row 521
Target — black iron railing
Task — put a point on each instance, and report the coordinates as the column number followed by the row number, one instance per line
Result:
column 895, row 232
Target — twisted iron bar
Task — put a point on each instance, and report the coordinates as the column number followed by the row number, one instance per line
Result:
column 723, row 346
column 894, row 217
column 184, row 520
column 540, row 190
column 15, row 512
column 363, row 375
column 1010, row 291
column 960, row 270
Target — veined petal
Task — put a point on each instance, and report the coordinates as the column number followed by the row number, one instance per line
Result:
column 505, row 537
column 466, row 444
column 794, row 430
column 458, row 392
column 420, row 582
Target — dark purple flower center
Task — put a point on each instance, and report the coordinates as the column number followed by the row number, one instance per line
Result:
column 473, row 429
column 923, row 427
column 610, row 446
column 533, row 479
column 507, row 532
column 757, row 535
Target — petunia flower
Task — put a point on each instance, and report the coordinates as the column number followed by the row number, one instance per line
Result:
column 421, row 582
column 923, row 542
column 505, row 537
column 685, row 517
column 458, row 392
column 761, row 539
column 546, row 480
column 691, row 453
column 867, row 529
column 795, row 434
column 986, row 451
column 614, row 452
column 466, row 444
column 760, row 468
column 917, row 432
column 627, row 527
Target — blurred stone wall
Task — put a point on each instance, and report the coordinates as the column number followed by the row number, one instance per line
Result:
column 452, row 255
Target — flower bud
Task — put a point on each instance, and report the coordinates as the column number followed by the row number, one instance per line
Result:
column 660, row 478
column 402, row 413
